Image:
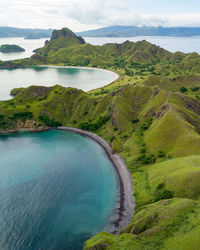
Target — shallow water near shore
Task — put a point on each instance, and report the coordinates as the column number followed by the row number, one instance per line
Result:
column 57, row 189
column 81, row 78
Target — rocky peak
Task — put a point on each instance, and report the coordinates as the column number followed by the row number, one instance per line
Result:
column 65, row 32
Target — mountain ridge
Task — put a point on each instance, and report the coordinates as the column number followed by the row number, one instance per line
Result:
column 132, row 31
column 150, row 116
column 9, row 32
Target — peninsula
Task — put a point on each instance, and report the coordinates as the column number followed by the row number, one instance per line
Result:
column 149, row 116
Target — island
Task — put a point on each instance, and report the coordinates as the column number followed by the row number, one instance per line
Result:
column 150, row 116
column 37, row 36
column 10, row 48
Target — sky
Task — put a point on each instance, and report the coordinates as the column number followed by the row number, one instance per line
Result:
column 80, row 15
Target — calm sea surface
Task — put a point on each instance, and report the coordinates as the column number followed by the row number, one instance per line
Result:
column 57, row 189
column 85, row 79
column 28, row 45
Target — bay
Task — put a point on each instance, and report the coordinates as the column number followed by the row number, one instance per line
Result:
column 57, row 189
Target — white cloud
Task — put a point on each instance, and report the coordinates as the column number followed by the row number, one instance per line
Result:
column 85, row 14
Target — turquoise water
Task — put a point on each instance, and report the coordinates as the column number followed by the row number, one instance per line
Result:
column 57, row 189
column 85, row 79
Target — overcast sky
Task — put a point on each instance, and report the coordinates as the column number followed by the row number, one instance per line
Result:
column 89, row 14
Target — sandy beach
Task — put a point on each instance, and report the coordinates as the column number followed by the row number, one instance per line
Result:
column 126, row 203
column 116, row 76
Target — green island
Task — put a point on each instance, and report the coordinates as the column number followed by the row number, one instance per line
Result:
column 150, row 116
column 10, row 48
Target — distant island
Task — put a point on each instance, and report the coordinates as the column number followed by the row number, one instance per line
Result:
column 37, row 36
column 8, row 48
column 132, row 31
column 6, row 32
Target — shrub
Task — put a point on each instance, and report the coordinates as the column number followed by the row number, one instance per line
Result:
column 95, row 126
column 115, row 128
column 135, row 120
column 49, row 122
column 195, row 89
column 3, row 124
column 146, row 159
column 165, row 194
column 112, row 138
column 160, row 186
column 183, row 89
column 22, row 115
column 161, row 193
column 161, row 154
column 147, row 124
column 197, row 97
column 142, row 150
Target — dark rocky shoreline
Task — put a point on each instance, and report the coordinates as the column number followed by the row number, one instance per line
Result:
column 126, row 202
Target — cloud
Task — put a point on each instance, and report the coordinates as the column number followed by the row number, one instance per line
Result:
column 86, row 14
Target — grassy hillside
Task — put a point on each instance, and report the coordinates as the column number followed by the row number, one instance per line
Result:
column 153, row 129
column 137, row 63
column 150, row 116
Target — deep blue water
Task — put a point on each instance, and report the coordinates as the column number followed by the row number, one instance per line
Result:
column 57, row 189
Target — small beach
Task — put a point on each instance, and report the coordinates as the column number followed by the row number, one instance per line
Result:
column 79, row 78
column 126, row 203
column 77, row 67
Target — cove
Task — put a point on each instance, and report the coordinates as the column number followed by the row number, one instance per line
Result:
column 81, row 78
column 57, row 189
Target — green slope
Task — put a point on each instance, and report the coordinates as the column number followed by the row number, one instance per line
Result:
column 150, row 116
column 147, row 126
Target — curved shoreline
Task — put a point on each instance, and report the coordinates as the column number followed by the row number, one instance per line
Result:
column 126, row 203
column 116, row 75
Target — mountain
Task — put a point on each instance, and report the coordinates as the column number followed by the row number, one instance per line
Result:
column 131, row 31
column 150, row 116
column 65, row 47
column 158, row 134
column 6, row 32
column 60, row 39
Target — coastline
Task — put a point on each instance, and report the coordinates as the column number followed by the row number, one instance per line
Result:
column 116, row 75
column 22, row 130
column 126, row 203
